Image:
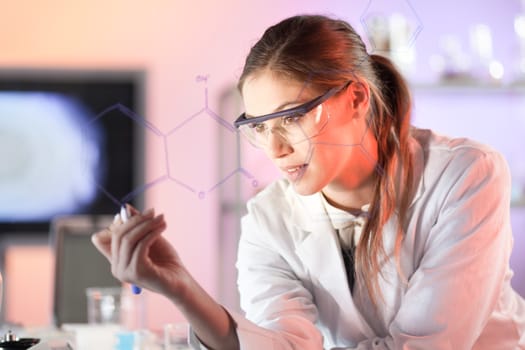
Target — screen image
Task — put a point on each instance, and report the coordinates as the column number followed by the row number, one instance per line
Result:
column 63, row 148
column 49, row 158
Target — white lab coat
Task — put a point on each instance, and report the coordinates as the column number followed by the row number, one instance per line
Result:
column 455, row 255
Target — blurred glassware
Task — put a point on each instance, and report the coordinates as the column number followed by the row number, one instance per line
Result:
column 481, row 43
column 519, row 29
column 452, row 64
column 138, row 340
column 402, row 46
column 104, row 305
column 176, row 336
column 391, row 36
column 485, row 68
column 379, row 35
column 132, row 310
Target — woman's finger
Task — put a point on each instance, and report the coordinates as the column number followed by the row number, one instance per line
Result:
column 129, row 242
column 138, row 261
column 132, row 210
column 121, row 230
column 116, row 219
column 102, row 241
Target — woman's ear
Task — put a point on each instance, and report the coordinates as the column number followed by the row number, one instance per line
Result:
column 358, row 94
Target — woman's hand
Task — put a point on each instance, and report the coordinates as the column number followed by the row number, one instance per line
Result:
column 140, row 255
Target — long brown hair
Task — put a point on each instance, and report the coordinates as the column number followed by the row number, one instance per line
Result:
column 326, row 53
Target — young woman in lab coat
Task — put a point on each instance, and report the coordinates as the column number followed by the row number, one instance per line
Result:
column 379, row 235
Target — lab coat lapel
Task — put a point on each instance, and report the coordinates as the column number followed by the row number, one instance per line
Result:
column 418, row 166
column 321, row 253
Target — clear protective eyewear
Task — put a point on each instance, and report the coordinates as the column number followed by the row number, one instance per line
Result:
column 295, row 124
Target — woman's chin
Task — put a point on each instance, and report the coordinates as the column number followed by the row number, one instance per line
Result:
column 302, row 188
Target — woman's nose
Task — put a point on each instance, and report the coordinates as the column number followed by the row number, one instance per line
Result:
column 277, row 146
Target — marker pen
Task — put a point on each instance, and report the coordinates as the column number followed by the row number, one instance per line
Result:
column 124, row 216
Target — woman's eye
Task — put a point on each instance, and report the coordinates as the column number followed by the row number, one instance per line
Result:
column 291, row 119
column 258, row 127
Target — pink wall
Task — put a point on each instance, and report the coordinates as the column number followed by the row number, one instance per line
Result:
column 28, row 298
column 174, row 42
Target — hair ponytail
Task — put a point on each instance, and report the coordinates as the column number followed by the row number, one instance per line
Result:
column 393, row 86
column 390, row 122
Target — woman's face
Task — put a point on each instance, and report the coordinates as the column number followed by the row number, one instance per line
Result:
column 340, row 158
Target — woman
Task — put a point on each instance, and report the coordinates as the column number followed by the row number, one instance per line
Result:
column 380, row 236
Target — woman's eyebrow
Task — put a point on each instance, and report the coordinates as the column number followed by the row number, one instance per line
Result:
column 280, row 107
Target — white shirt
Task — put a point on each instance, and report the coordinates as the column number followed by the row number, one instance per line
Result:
column 348, row 225
column 455, row 255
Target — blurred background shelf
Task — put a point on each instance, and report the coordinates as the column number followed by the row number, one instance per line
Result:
column 469, row 88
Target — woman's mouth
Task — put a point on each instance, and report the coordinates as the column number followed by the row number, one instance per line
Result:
column 294, row 173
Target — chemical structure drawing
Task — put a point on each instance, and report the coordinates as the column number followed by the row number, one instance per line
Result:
column 122, row 114
column 168, row 141
column 194, row 125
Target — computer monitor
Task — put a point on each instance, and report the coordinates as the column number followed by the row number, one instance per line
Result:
column 69, row 144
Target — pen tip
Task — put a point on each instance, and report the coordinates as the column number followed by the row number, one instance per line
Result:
column 136, row 289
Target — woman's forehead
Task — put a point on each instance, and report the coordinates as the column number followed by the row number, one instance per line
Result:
column 267, row 92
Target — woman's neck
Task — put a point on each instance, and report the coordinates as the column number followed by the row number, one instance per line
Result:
column 351, row 200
